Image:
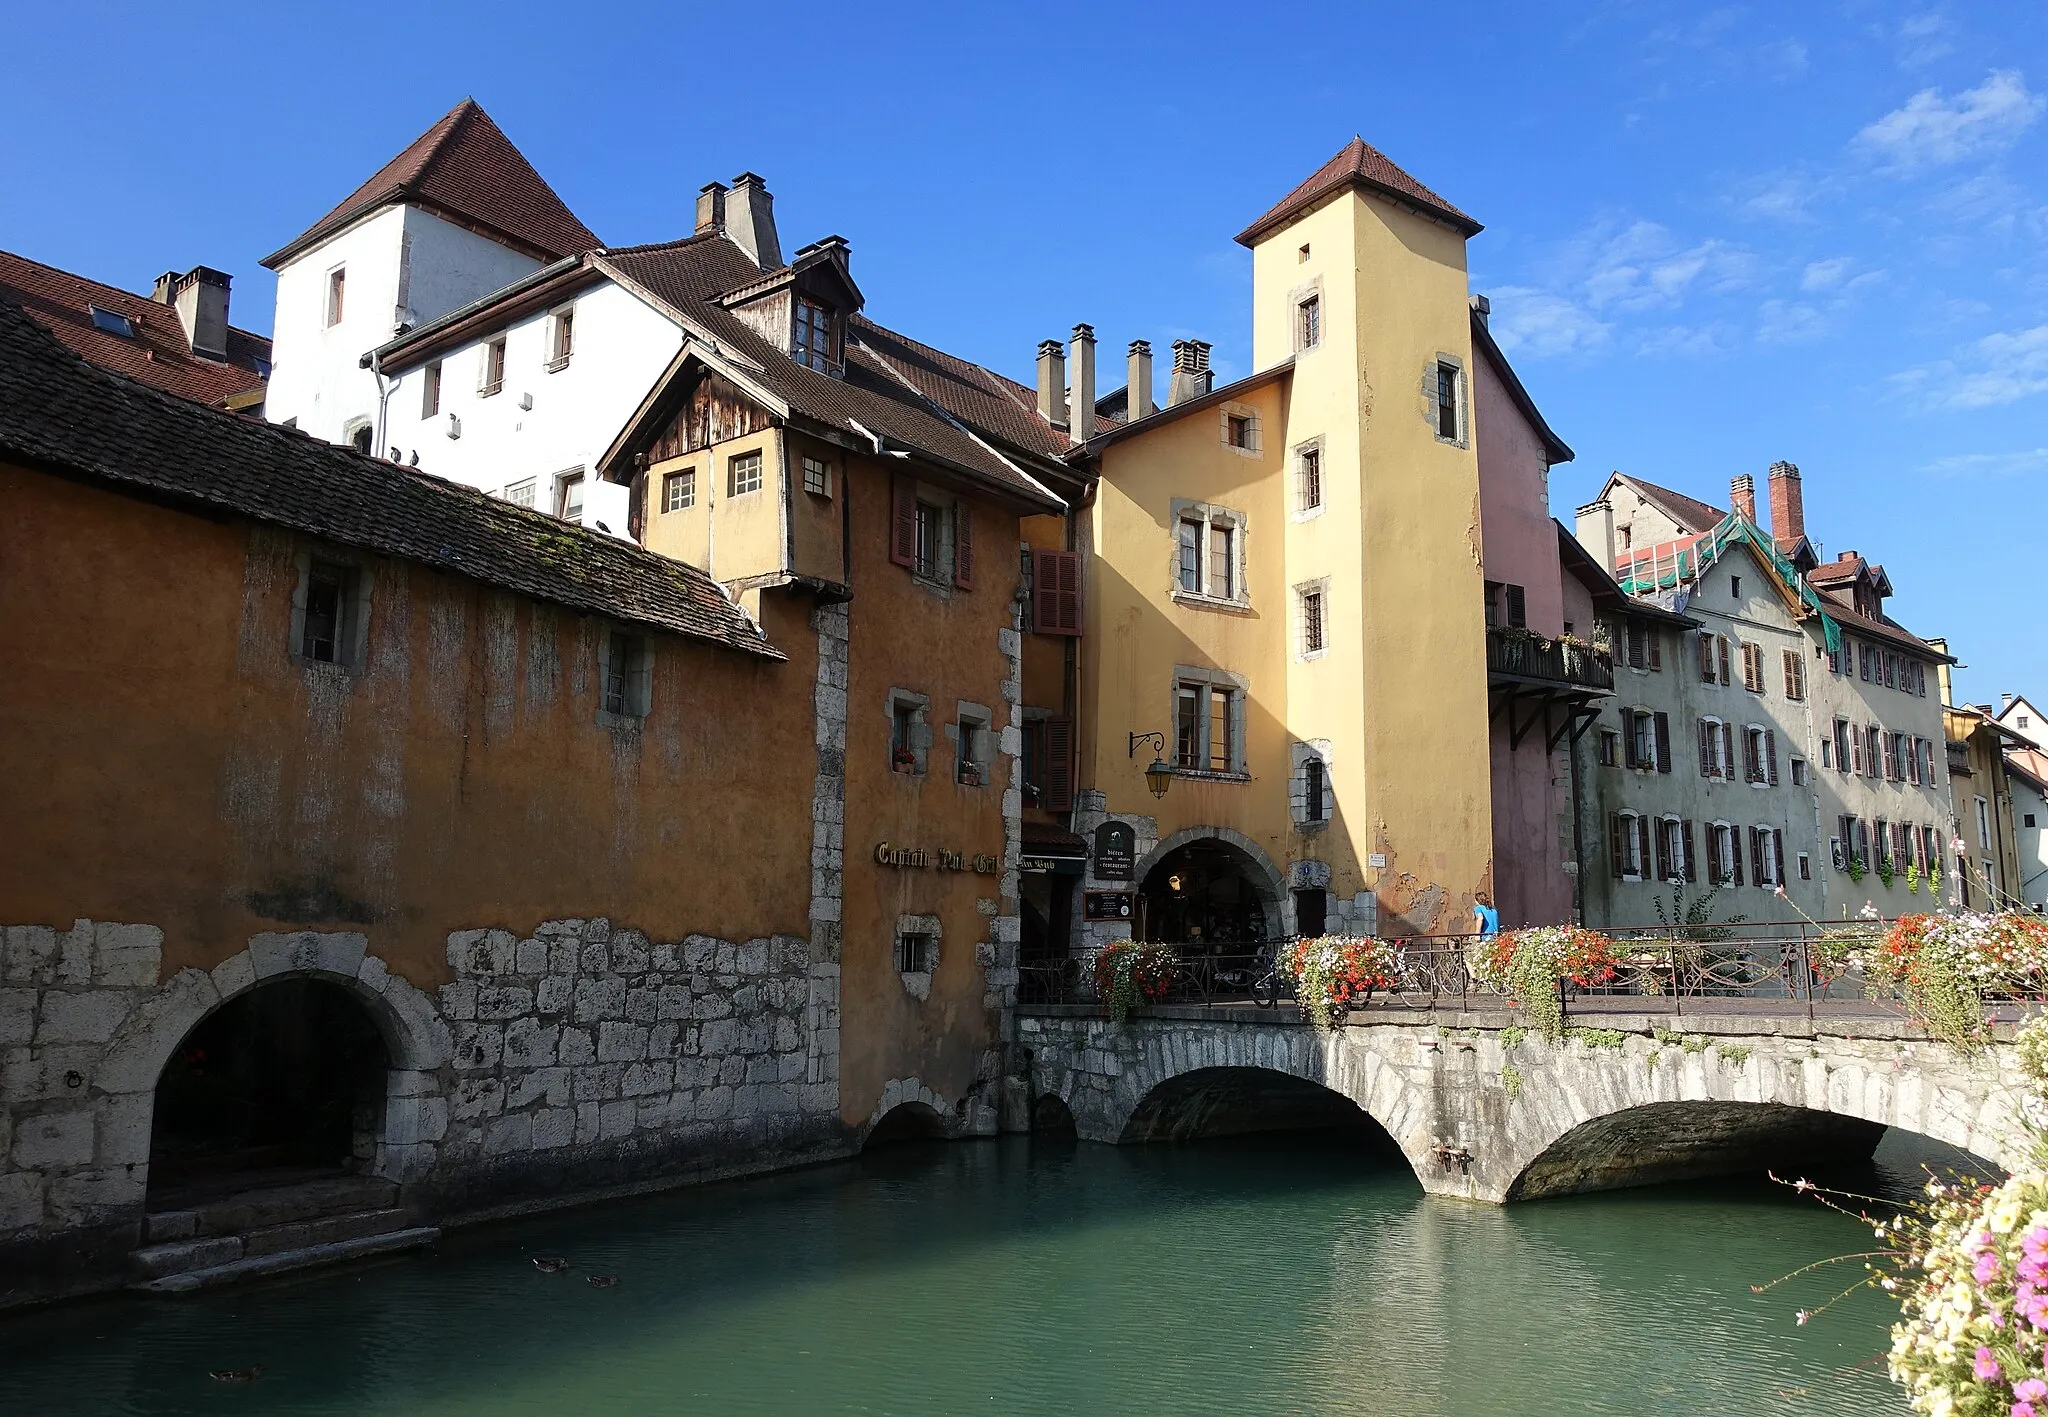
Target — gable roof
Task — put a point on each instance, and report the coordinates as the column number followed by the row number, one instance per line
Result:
column 1554, row 447
column 465, row 168
column 951, row 412
column 1692, row 515
column 62, row 415
column 159, row 355
column 1363, row 166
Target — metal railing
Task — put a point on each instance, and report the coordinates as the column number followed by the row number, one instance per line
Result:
column 1531, row 656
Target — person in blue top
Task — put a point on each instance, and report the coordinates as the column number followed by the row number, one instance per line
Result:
column 1489, row 918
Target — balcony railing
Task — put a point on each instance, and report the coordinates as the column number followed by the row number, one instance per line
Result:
column 1528, row 656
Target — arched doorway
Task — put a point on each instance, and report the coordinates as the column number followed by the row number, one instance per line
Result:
column 286, row 1081
column 909, row 1121
column 1208, row 897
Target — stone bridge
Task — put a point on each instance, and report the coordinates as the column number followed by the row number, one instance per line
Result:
column 1484, row 1110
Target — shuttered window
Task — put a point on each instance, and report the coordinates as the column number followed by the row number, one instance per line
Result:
column 1056, row 793
column 963, row 545
column 1056, row 592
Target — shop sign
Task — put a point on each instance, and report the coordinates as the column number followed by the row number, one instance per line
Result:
column 1106, row 905
column 914, row 858
column 1116, row 852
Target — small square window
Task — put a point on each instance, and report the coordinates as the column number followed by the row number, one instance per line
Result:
column 679, row 490
column 2028, row 820
column 569, row 496
column 1610, row 748
column 915, row 952
column 520, row 493
column 1240, row 430
column 626, row 676
column 112, row 323
column 743, row 474
column 330, row 590
column 337, row 289
column 817, row 477
column 904, row 715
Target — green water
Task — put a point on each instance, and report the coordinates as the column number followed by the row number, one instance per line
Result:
column 1025, row 1277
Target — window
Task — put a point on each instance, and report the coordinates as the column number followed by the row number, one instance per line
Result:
column 520, row 493
column 2027, row 819
column 1610, row 748
column 491, row 372
column 1641, row 645
column 1873, row 763
column 742, row 474
column 1208, row 553
column 1648, row 739
column 1983, row 822
column 916, row 952
column 1628, row 839
column 1308, row 479
column 1191, row 556
column 1805, row 867
column 1206, row 724
column 1752, row 667
column 1766, row 856
column 1311, row 622
column 1717, row 748
column 337, row 285
column 1056, row 592
column 906, row 739
column 1518, row 608
column 1240, row 430
column 563, row 341
column 1724, row 854
column 971, row 748
column 817, row 476
column 109, row 322
column 359, row 437
column 679, row 490
column 1845, row 742
column 324, row 633
column 430, row 393
column 1314, row 786
column 569, row 496
column 1308, row 328
column 1795, row 675
column 930, row 523
column 1447, row 402
column 1827, row 753
column 1799, row 772
column 1222, row 563
column 1735, row 587
column 813, row 348
column 1713, row 658
column 1674, row 850
column 625, row 677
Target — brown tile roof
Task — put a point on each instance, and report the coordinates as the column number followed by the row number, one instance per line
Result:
column 999, row 408
column 1362, row 165
column 159, row 355
column 894, row 387
column 1828, row 572
column 1695, row 516
column 1885, row 629
column 59, row 413
column 465, row 167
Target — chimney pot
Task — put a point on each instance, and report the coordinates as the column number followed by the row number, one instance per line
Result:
column 711, row 207
column 750, row 220
column 1483, row 308
column 1788, row 504
column 201, row 296
column 1081, row 417
column 1742, row 492
column 1138, row 400
column 166, row 288
column 1192, row 377
column 1052, row 383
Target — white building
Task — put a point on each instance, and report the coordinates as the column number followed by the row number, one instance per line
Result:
column 457, row 215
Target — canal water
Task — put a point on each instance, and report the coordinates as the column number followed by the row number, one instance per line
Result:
column 1287, row 1275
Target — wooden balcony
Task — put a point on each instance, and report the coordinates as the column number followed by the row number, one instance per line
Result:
column 1537, row 681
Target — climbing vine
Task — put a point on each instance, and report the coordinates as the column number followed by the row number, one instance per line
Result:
column 1528, row 965
column 1128, row 974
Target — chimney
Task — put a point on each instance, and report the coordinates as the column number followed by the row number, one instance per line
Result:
column 1742, row 494
column 1788, row 503
column 1052, row 383
column 750, row 220
column 1595, row 532
column 166, row 288
column 1138, row 404
column 1943, row 679
column 1483, row 308
column 1081, row 420
column 711, row 208
column 1192, row 377
column 201, row 295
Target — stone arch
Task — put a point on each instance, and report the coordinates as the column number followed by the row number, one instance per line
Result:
column 1266, row 877
column 911, row 1098
column 1238, row 1101
column 417, row 1041
column 1050, row 1116
column 907, row 1121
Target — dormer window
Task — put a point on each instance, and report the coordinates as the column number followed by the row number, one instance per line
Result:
column 111, row 322
column 813, row 346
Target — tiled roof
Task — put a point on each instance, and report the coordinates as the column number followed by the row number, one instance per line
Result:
column 992, row 405
column 1828, row 572
column 464, row 166
column 59, row 413
column 894, row 387
column 1695, row 516
column 1362, row 165
column 1885, row 629
column 159, row 355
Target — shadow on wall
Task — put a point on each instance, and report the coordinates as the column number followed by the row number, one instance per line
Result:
column 1225, row 1102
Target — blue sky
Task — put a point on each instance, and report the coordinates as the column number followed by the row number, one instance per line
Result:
column 1716, row 236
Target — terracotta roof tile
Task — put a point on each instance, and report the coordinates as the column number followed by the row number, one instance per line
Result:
column 1363, row 165
column 159, row 355
column 464, row 165
column 60, row 413
column 1693, row 515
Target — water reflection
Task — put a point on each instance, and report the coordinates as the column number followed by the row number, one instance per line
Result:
column 1283, row 1275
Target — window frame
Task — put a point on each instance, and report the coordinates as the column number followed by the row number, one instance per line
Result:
column 1203, row 698
column 679, row 489
column 1211, row 520
column 566, row 481
column 817, row 475
column 1312, row 615
column 625, row 677
column 350, row 633
column 1308, row 479
column 808, row 320
column 561, row 337
column 490, row 379
column 334, row 296
column 1447, row 400
column 430, row 391
column 1308, row 321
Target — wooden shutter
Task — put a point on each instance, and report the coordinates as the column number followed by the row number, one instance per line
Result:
column 1706, row 737
column 1735, row 850
column 1715, row 868
column 1056, row 592
column 1778, row 853
column 1643, row 840
column 1722, row 642
column 1663, row 856
column 1663, row 742
column 963, row 545
column 1706, row 658
column 1756, row 855
column 1058, row 795
column 1617, row 852
column 903, row 522
column 1691, row 862
column 1656, row 639
column 1771, row 755
column 1728, row 750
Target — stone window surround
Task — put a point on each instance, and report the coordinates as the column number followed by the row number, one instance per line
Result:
column 1183, row 509
column 1735, row 843
column 639, row 678
column 920, row 728
column 1238, row 686
column 917, row 983
column 1309, row 445
column 1310, row 289
column 1227, row 411
column 1429, row 390
column 1302, row 591
column 353, row 652
column 1762, row 744
column 982, row 748
column 1632, row 835
column 1300, row 754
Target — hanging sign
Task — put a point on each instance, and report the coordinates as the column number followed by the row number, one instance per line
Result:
column 1116, row 854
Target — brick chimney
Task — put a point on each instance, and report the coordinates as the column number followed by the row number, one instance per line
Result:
column 1138, row 403
column 1788, row 503
column 1081, row 418
column 1742, row 495
column 1052, row 383
column 711, row 208
column 750, row 220
column 1192, row 377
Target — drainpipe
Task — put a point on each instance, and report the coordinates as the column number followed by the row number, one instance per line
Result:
column 373, row 362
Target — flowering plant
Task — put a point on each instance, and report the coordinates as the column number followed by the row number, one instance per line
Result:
column 1944, row 965
column 1128, row 973
column 1331, row 972
column 1527, row 965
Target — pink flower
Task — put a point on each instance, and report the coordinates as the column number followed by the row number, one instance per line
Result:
column 1987, row 1267
column 2030, row 1390
column 1986, row 1367
column 2023, row 1409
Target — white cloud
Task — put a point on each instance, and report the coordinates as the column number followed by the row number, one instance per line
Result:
column 1930, row 131
column 1791, row 322
column 2030, row 462
column 1998, row 369
column 1783, row 196
column 1645, row 268
column 1684, row 341
column 1922, row 39
column 1826, row 275
column 1546, row 325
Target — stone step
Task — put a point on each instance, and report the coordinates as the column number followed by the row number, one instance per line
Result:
column 287, row 1261
column 328, row 1230
column 268, row 1206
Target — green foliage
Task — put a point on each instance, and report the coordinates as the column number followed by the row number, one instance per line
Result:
column 1128, row 974
column 1694, row 921
column 1512, row 1036
column 1511, row 1080
column 1856, row 871
column 1675, row 1038
column 1599, row 1037
column 1913, row 877
column 1885, row 872
column 1737, row 1053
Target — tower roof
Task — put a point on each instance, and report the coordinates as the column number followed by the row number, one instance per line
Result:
column 463, row 167
column 1358, row 165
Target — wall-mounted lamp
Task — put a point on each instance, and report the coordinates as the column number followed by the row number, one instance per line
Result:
column 1159, row 776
